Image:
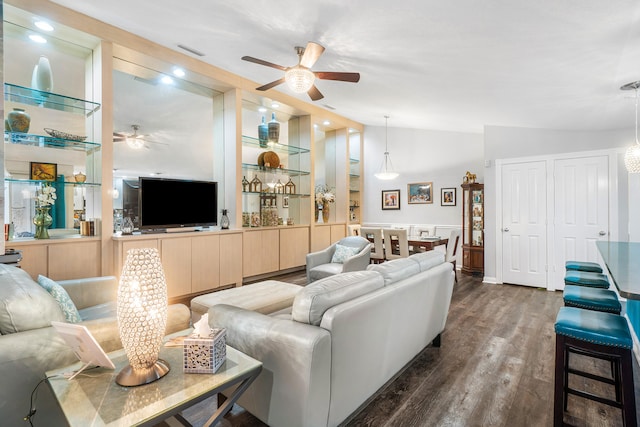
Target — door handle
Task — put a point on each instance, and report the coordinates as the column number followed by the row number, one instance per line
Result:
column 602, row 233
column 506, row 229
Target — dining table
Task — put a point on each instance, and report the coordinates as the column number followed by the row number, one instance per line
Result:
column 427, row 242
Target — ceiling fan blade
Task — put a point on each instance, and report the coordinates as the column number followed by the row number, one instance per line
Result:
column 262, row 62
column 314, row 93
column 270, row 85
column 335, row 75
column 311, row 54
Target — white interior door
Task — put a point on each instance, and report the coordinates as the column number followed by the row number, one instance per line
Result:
column 524, row 223
column 581, row 200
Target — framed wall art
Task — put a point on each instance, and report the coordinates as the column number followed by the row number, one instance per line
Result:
column 43, row 171
column 421, row 192
column 390, row 200
column 448, row 196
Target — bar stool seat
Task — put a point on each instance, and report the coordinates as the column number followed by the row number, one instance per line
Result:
column 592, row 267
column 591, row 299
column 584, row 278
column 604, row 336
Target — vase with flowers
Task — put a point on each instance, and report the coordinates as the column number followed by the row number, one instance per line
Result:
column 325, row 195
column 45, row 198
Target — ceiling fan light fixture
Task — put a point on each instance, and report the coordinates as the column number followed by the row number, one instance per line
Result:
column 299, row 79
column 135, row 143
column 386, row 169
column 632, row 155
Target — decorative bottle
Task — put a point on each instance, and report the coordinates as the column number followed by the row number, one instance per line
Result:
column 274, row 130
column 263, row 133
column 44, row 77
column 18, row 120
column 224, row 221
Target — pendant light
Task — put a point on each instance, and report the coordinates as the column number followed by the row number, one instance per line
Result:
column 386, row 170
column 632, row 156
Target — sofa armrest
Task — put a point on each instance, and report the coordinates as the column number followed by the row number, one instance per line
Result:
column 91, row 291
column 358, row 262
column 293, row 388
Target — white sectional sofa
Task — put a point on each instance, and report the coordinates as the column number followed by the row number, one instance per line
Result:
column 346, row 336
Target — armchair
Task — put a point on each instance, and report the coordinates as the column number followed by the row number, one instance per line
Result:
column 353, row 254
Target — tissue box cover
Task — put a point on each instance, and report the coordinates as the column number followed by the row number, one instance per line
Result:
column 205, row 355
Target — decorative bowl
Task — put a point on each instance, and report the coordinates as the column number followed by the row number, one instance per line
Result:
column 64, row 135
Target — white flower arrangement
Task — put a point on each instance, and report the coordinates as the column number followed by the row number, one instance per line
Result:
column 45, row 196
column 325, row 194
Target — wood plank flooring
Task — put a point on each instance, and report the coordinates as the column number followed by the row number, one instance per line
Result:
column 494, row 368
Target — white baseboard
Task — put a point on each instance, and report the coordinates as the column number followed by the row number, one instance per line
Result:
column 490, row 280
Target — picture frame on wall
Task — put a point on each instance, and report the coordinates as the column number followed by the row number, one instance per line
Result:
column 390, row 200
column 448, row 196
column 43, row 171
column 420, row 193
column 285, row 202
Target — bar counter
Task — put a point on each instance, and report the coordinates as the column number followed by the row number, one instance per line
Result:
column 623, row 262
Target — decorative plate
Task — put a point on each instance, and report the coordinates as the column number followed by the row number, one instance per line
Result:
column 64, row 135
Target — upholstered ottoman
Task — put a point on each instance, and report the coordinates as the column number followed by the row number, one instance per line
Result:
column 263, row 297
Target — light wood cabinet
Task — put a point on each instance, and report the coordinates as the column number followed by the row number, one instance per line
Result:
column 294, row 246
column 60, row 260
column 192, row 262
column 260, row 252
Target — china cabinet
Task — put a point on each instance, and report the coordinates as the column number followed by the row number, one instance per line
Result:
column 473, row 228
column 355, row 172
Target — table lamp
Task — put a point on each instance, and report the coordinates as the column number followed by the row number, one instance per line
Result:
column 142, row 317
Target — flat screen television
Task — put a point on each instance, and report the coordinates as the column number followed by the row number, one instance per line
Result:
column 167, row 203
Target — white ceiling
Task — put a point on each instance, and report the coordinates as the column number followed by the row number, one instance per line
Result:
column 430, row 64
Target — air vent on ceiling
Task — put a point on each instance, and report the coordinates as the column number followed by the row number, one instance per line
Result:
column 328, row 106
column 190, row 50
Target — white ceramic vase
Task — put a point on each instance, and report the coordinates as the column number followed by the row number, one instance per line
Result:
column 44, row 77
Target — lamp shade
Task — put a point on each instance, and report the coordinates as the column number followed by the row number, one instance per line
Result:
column 142, row 317
column 632, row 159
column 299, row 78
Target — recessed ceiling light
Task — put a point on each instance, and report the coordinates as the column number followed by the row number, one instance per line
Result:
column 326, row 123
column 262, row 110
column 275, row 105
column 37, row 38
column 43, row 25
column 178, row 72
column 166, row 80
column 315, row 125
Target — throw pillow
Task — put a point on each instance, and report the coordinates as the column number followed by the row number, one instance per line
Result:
column 342, row 253
column 62, row 298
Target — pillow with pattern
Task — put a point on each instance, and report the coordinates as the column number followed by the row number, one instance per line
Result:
column 62, row 298
column 342, row 253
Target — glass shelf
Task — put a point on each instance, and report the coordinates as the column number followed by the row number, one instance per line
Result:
column 354, row 161
column 276, row 194
column 290, row 172
column 278, row 148
column 29, row 96
column 353, row 175
column 49, row 141
column 41, row 181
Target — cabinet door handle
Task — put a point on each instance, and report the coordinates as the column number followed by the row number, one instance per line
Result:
column 506, row 229
column 603, row 233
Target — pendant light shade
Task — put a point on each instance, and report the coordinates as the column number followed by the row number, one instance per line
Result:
column 632, row 156
column 386, row 170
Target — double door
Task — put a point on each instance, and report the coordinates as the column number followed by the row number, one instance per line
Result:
column 552, row 211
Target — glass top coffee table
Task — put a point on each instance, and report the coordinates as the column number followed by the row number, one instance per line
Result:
column 94, row 399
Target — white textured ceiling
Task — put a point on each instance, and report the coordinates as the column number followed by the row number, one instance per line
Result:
column 431, row 64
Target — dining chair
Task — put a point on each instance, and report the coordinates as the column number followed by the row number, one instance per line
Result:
column 417, row 231
column 374, row 235
column 396, row 244
column 452, row 249
column 353, row 229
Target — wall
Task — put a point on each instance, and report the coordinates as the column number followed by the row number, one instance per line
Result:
column 510, row 142
column 419, row 156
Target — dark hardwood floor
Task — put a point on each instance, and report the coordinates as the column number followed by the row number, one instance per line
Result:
column 494, row 368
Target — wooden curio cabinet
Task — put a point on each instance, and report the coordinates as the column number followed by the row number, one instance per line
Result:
column 473, row 229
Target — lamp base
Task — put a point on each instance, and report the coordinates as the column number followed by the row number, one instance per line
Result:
column 128, row 377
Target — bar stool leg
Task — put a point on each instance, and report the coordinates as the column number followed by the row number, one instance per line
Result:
column 629, row 397
column 559, row 399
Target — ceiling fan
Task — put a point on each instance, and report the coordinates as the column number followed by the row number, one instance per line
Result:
column 134, row 139
column 300, row 78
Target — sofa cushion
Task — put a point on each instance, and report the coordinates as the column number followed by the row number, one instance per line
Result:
column 100, row 311
column 24, row 305
column 428, row 259
column 62, row 298
column 396, row 270
column 313, row 300
column 325, row 270
column 343, row 253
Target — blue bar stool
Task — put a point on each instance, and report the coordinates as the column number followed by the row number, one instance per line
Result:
column 600, row 335
column 592, row 267
column 584, row 278
column 591, row 299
